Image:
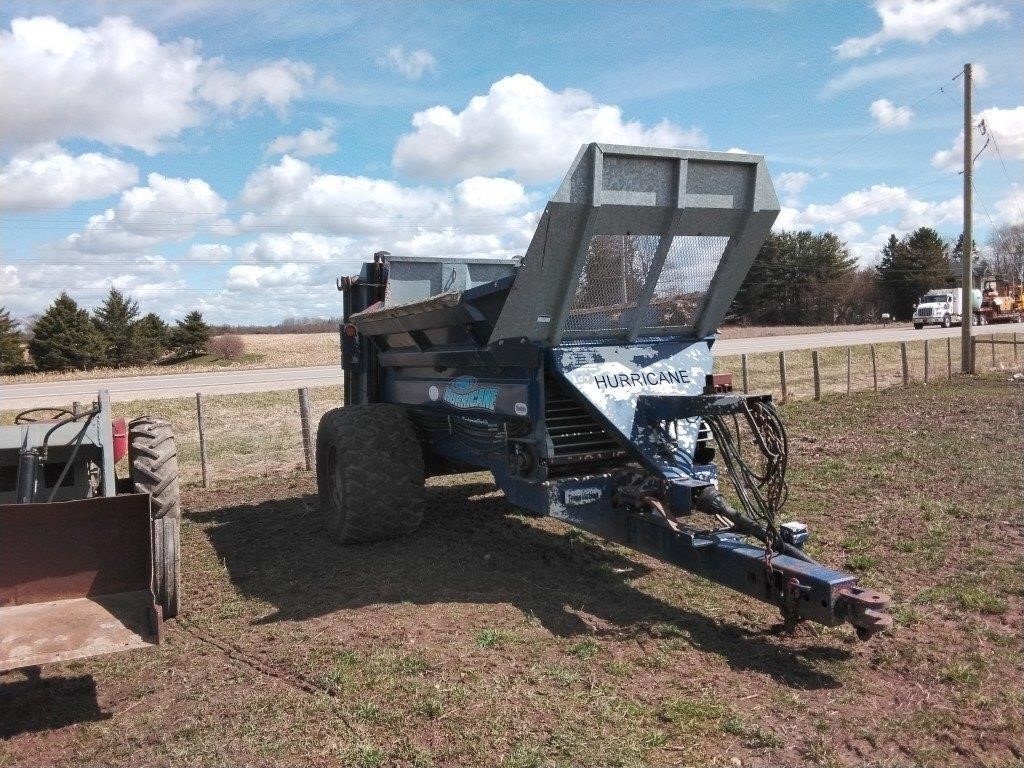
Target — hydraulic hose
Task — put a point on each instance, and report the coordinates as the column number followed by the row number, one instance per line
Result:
column 712, row 502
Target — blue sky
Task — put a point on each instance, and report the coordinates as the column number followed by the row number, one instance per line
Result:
column 236, row 157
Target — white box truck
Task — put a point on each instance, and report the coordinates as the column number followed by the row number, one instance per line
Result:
column 940, row 306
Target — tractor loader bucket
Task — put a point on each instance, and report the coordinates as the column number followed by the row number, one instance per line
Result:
column 75, row 580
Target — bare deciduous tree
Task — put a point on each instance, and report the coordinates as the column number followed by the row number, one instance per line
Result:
column 1007, row 243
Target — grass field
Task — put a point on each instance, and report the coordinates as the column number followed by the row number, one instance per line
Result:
column 262, row 350
column 493, row 638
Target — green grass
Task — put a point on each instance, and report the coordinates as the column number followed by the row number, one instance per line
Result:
column 495, row 638
column 861, row 562
column 584, row 650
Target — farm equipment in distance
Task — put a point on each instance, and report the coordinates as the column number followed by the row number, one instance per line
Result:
column 1001, row 302
column 582, row 379
column 89, row 562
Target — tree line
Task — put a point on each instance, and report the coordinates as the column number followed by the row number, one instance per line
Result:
column 801, row 278
column 115, row 334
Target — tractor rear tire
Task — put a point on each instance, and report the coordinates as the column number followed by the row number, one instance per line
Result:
column 154, row 470
column 369, row 473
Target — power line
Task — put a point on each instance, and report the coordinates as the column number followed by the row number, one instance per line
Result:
column 1006, row 173
column 884, row 124
column 984, row 207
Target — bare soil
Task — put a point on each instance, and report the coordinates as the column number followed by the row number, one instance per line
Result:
column 494, row 638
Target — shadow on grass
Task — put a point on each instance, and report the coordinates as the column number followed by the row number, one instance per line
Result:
column 29, row 703
column 471, row 550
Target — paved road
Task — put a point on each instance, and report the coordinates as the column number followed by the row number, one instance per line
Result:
column 260, row 380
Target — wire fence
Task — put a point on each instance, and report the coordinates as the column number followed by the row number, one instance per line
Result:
column 840, row 370
column 251, row 435
column 258, row 435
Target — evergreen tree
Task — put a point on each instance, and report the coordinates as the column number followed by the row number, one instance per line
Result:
column 64, row 337
column 910, row 267
column 115, row 320
column 191, row 335
column 980, row 266
column 151, row 338
column 797, row 278
column 10, row 343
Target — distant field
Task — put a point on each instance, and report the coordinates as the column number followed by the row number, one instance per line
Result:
column 263, row 350
column 494, row 638
column 293, row 350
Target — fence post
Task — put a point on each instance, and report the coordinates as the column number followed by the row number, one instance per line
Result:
column 743, row 365
column 903, row 361
column 307, row 436
column 817, row 374
column 849, row 370
column 974, row 355
column 874, row 368
column 926, row 361
column 1014, row 348
column 992, row 340
column 202, row 441
column 782, row 374
column 949, row 358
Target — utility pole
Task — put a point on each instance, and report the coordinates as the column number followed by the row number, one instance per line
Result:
column 967, row 312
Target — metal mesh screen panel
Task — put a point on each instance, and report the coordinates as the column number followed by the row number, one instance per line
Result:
column 684, row 280
column 613, row 277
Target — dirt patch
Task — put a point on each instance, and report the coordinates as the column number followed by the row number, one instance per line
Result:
column 493, row 638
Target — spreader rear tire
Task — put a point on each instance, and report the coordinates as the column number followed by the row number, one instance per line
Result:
column 369, row 473
column 154, row 470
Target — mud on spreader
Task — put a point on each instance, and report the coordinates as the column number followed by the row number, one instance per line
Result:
column 582, row 379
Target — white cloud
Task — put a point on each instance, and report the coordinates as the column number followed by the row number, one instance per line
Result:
column 1007, row 125
column 292, row 193
column 523, row 127
column 899, row 212
column 1010, row 209
column 208, row 253
column 411, row 65
column 896, row 68
column 490, row 194
column 276, row 84
column 888, row 115
column 919, row 21
column 117, row 83
column 792, row 182
column 252, row 277
column 353, row 216
column 307, row 143
column 167, row 209
column 46, row 176
column 29, row 286
column 877, row 200
column 296, row 247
